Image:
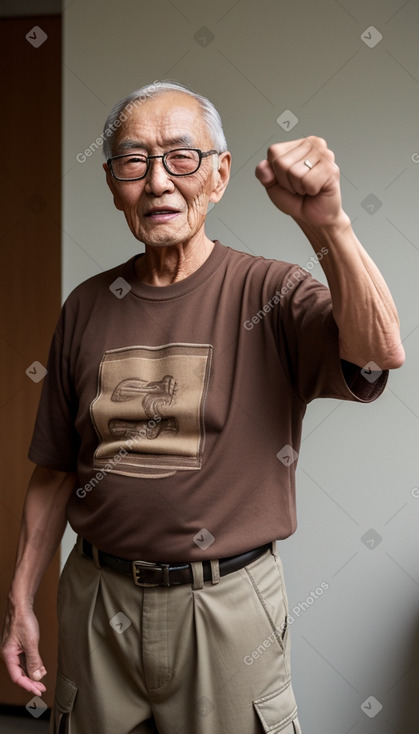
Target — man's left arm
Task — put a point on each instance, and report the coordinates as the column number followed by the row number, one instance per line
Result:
column 302, row 180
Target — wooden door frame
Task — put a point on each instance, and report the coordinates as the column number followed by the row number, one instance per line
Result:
column 30, row 297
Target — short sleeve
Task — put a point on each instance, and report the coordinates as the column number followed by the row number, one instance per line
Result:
column 55, row 441
column 308, row 342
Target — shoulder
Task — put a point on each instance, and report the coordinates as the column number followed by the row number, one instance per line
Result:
column 257, row 265
column 113, row 282
column 267, row 274
column 93, row 298
column 96, row 283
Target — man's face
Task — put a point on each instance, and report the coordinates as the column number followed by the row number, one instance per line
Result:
column 160, row 209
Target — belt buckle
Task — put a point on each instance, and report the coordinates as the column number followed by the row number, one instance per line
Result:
column 162, row 567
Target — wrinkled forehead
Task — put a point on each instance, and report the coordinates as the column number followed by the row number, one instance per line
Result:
column 165, row 121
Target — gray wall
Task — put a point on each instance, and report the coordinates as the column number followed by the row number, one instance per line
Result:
column 357, row 505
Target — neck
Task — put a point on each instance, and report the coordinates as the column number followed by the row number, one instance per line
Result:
column 161, row 266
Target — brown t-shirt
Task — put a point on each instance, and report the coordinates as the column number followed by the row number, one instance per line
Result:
column 180, row 407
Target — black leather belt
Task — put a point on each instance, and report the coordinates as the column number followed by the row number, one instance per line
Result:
column 145, row 573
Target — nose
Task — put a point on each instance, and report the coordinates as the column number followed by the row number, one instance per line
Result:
column 157, row 180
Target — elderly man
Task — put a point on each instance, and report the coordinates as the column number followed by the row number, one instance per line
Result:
column 168, row 431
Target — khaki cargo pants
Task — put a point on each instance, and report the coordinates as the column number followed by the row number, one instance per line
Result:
column 206, row 658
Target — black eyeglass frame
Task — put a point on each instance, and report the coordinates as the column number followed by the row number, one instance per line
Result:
column 148, row 158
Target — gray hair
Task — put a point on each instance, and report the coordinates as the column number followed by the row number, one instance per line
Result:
column 118, row 114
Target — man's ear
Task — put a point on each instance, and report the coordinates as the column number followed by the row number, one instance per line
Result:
column 221, row 176
column 111, row 183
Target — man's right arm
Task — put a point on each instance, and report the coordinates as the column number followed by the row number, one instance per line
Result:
column 43, row 525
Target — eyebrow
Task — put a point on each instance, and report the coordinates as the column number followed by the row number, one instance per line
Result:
column 181, row 140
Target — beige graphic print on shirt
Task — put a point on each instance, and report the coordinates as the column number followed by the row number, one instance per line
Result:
column 149, row 409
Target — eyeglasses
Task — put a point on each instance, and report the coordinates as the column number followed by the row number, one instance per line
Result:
column 178, row 162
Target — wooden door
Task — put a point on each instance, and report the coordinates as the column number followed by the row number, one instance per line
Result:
column 30, row 264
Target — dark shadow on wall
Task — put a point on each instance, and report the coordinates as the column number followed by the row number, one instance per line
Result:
column 404, row 694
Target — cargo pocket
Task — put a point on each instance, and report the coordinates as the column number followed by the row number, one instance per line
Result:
column 277, row 711
column 65, row 695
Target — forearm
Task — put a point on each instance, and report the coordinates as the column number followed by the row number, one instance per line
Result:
column 42, row 528
column 363, row 307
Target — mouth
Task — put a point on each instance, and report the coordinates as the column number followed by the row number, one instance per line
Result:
column 162, row 214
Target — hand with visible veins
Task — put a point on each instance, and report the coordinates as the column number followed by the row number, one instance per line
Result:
column 21, row 652
column 43, row 524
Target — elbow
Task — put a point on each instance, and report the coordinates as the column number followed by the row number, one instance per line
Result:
column 379, row 360
column 391, row 359
column 394, row 359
